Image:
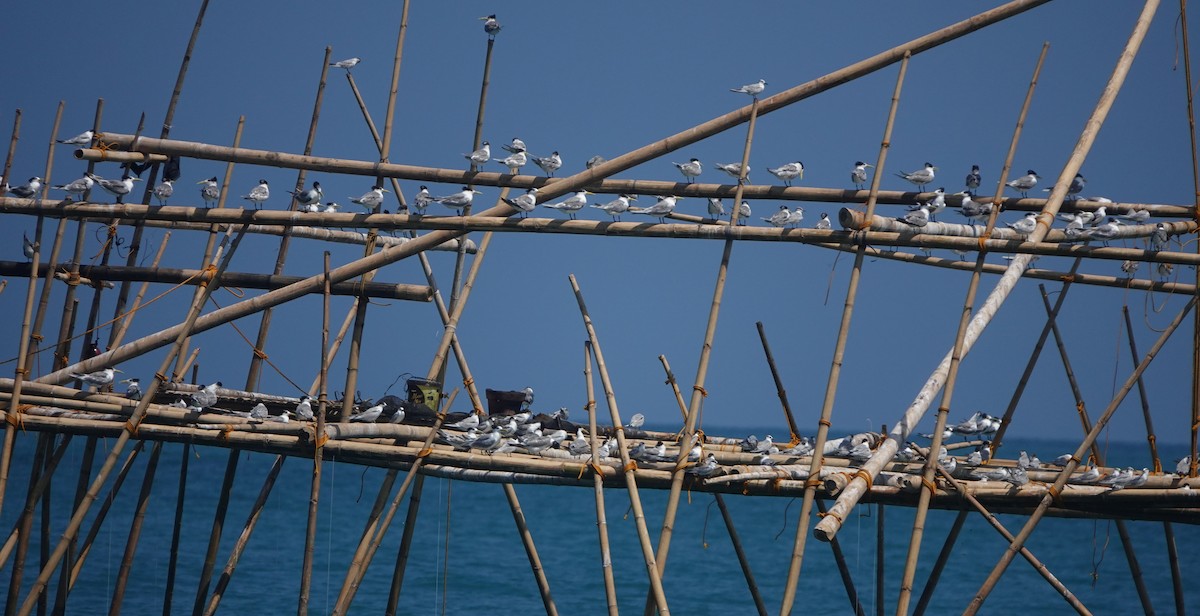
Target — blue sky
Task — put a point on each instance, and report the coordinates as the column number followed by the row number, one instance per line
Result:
column 605, row 78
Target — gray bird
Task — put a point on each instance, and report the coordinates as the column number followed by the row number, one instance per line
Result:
column 206, row 396
column 549, row 164
column 209, row 191
column 98, row 378
column 1024, row 183
column 259, row 194
column 84, row 138
column 28, row 246
column 304, row 410
column 459, row 200
column 117, row 188
column 480, row 156
column 1026, row 225
column 716, row 209
column 525, row 203
column 707, row 468
column 733, row 169
column 516, row 146
column 660, row 210
column 164, row 190
column 466, row 423
column 858, row 174
column 422, row 199
column 824, row 224
column 571, row 204
column 370, row 415
column 691, row 169
column 259, row 411
column 920, row 177
column 491, row 26
column 595, row 160
column 779, row 218
column 752, row 89
column 27, row 191
column 636, row 421
column 788, row 172
column 617, row 206
column 78, row 187
column 133, row 389
column 974, row 179
column 372, row 199
column 514, row 161
column 306, row 197
column 916, row 218
column 347, row 64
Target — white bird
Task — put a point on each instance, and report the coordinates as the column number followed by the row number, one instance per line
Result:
column 306, row 197
column 304, row 410
column 707, row 468
column 525, row 203
column 480, row 156
column 920, row 177
column 397, row 416
column 164, row 190
column 1183, row 466
column 516, row 146
column 372, row 199
column 460, row 199
column 973, row 209
column 858, row 174
column 973, row 178
column 636, row 421
column 660, row 210
column 1159, row 240
column 259, row 194
column 595, row 160
column 99, row 378
column 1137, row 214
column 1024, row 183
column 1061, row 460
column 259, row 411
column 466, row 423
column 823, row 224
column 28, row 246
column 743, row 212
column 753, row 89
column 311, row 208
column 779, row 218
column 491, row 26
column 1091, row 475
column 206, row 396
column 84, row 138
column 369, row 415
column 28, row 190
column 1129, row 266
column 937, row 204
column 796, row 217
column 1098, row 216
column 209, row 191
column 78, row 187
column 716, row 209
column 487, row 441
column 788, row 172
column 549, row 164
column 1107, row 231
column 421, row 200
column 1138, row 481
column 331, row 207
column 617, row 206
column 118, row 188
column 527, row 403
column 133, row 389
column 347, row 64
column 1076, row 186
column 691, row 169
column 514, row 161
column 916, row 218
column 733, row 169
column 1026, row 225
column 571, row 204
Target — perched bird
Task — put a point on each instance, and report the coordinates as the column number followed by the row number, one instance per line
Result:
column 259, row 194
column 823, row 224
column 27, row 191
column 916, row 218
column 369, row 415
column 28, row 246
column 84, row 138
column 209, row 191
column 973, row 209
column 766, row 460
column 753, row 89
column 466, row 423
column 920, row 177
column 460, row 199
column 1024, row 183
column 516, row 146
column 526, row 202
column 331, row 207
column 118, row 188
column 1076, row 186
column 858, row 174
column 397, row 416
column 535, row 443
column 480, row 156
column 133, row 389
column 579, row 445
column 372, row 199
column 1026, row 225
column 617, row 206
column 1098, row 216
column 1107, row 231
column 660, row 210
column 1091, row 475
column 259, row 411
column 716, row 209
column 571, row 204
column 514, row 161
column 311, row 208
column 1061, row 460
column 937, row 204
column 779, row 218
column 347, row 64
column 487, row 441
column 1159, row 240
column 973, row 179
column 526, row 404
column 306, row 197
column 1129, row 266
column 206, row 396
column 491, row 26
column 733, row 169
column 796, row 217
column 743, row 212
column 1183, row 466
column 549, row 164
column 595, row 160
column 788, row 172
column 707, row 468
column 78, row 187
column 164, row 190
column 304, row 410
column 691, row 169
column 422, row 199
column 561, row 414
column 1136, row 214
column 750, row 443
column 99, row 378
column 636, row 421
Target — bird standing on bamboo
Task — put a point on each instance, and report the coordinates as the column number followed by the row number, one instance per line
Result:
column 259, row 194
column 372, row 199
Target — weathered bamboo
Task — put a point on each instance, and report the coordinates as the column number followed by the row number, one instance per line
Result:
column 410, row 522
column 940, row 564
column 535, row 563
column 44, row 533
column 118, row 156
column 135, row 532
column 1035, row 517
column 847, row 499
column 19, row 539
column 323, row 234
column 10, row 432
column 181, row 494
column 606, row 565
column 118, row 332
column 240, row 545
column 218, row 526
column 310, row 534
column 783, row 400
column 880, row 571
column 835, row 367
column 751, row 585
column 14, row 137
column 629, row 468
column 128, row 430
column 1195, row 388
column 844, row 570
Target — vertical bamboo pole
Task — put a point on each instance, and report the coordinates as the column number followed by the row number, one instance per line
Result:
column 1019, row 540
column 475, row 142
column 10, row 430
column 94, row 530
column 1000, row 292
column 880, row 538
column 139, row 413
column 24, row 524
column 44, row 527
column 135, row 531
column 783, row 400
column 14, row 137
column 410, row 523
column 629, row 468
column 535, row 563
column 180, row 496
column 940, row 564
column 214, row 537
column 848, row 581
column 64, row 576
column 310, row 534
column 956, row 355
column 37, row 487
column 606, row 566
column 835, row 368
column 1191, row 116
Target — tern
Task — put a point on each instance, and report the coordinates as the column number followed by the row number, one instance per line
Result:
column 331, row 207
column 916, row 218
column 516, row 146
column 480, row 156
column 733, row 169
column 691, row 169
column 974, row 179
column 133, row 389
column 164, row 190
column 779, row 218
column 1137, row 214
column 118, row 188
column 921, row 177
column 347, row 64
column 422, row 199
column 460, row 199
column 823, row 224
column 716, row 209
column 571, row 204
column 28, row 190
column 209, row 191
column 84, row 138
column 99, row 378
column 206, row 396
column 708, row 467
column 617, row 206
column 28, row 247
column 937, row 204
column 858, row 174
column 1098, row 216
column 1024, row 183
column 1161, row 236
column 1076, row 186
column 973, row 209
column 636, row 421
column 303, row 410
column 78, row 187
column 258, row 194
column 1026, row 225
column 753, row 89
column 661, row 209
column 595, row 160
column 788, row 172
column 526, row 202
column 743, row 212
column 796, row 217
column 259, row 411
column 306, row 197
column 371, row 199
column 369, row 415
column 1107, row 231
column 513, row 161
column 549, row 164
column 491, row 26
column 466, row 423
column 526, row 404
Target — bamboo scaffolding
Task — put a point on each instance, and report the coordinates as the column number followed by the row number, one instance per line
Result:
column 1195, row 389
column 844, row 571
column 846, row 500
column 85, row 548
column 44, row 538
column 10, row 432
column 606, row 565
column 19, row 539
column 880, row 571
column 940, row 564
column 118, row 332
column 135, row 532
column 314, row 497
column 176, row 529
column 410, row 522
column 783, row 400
column 835, row 368
column 328, row 235
column 64, row 576
column 629, row 468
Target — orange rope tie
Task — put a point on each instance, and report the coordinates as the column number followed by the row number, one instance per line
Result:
column 22, row 372
column 928, row 485
column 259, row 353
column 1079, row 407
column 1055, row 494
column 322, row 439
column 1067, row 278
column 776, row 484
column 161, row 377
column 831, row 514
column 813, row 481
column 596, row 468
column 825, row 422
column 225, row 432
column 467, row 382
column 703, row 392
column 131, row 428
column 440, row 415
column 237, row 292
column 632, row 466
column 36, row 337
column 865, row 476
column 424, row 452
column 591, row 404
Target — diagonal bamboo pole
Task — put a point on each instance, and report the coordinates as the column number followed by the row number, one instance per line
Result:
column 24, row 526
column 843, row 570
column 854, row 491
column 835, row 368
column 123, row 326
column 176, row 529
column 606, row 565
column 1019, row 540
column 783, row 399
column 64, row 576
column 310, row 535
column 135, row 531
column 410, row 522
column 475, row 142
column 880, row 562
column 956, row 355
column 535, row 562
column 629, row 468
column 85, row 547
column 218, row 527
column 1195, row 389
column 20, row 372
column 940, row 564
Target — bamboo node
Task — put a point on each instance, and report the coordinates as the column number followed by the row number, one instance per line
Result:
column 259, row 354
column 703, row 392
column 825, row 422
column 928, row 485
column 73, row 279
column 864, row 475
column 22, row 372
column 591, row 404
column 467, row 382
column 777, row 484
column 424, row 452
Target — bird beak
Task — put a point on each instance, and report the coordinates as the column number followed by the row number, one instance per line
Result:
column 483, row 19
column 117, row 370
column 385, row 190
column 201, row 181
column 135, row 179
column 869, row 165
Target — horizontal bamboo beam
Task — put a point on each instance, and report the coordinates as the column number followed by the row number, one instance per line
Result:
column 466, row 224
column 310, row 233
column 853, row 219
column 119, row 156
column 407, row 292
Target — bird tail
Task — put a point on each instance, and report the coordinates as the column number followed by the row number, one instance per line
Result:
column 737, row 89
column 902, row 174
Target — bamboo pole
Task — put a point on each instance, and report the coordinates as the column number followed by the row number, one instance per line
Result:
column 20, row 536
column 10, row 432
column 783, row 400
column 119, row 331
column 310, row 535
column 135, row 531
column 44, row 531
column 410, row 522
column 85, row 548
column 835, row 368
column 629, row 468
column 180, row 496
column 1035, row 517
column 844, row 571
column 535, row 563
column 741, row 554
column 131, row 426
column 64, row 576
column 606, row 565
column 940, row 564
column 853, row 492
column 218, row 526
column 880, row 540
column 1195, row 389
